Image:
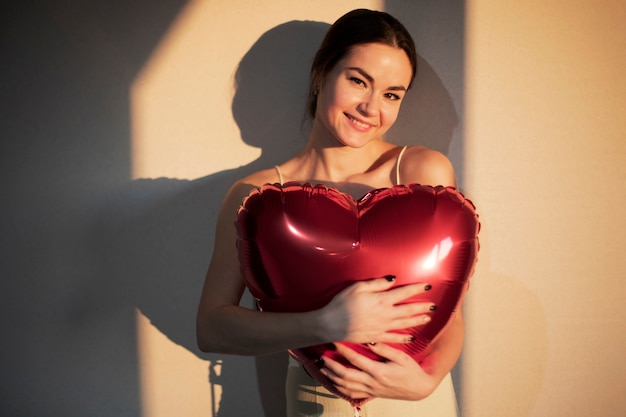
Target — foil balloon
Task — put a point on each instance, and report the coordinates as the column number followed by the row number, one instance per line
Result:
column 299, row 245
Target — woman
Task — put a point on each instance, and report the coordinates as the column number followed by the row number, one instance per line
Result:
column 359, row 77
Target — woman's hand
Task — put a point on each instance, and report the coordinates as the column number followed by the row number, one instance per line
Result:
column 369, row 311
column 400, row 377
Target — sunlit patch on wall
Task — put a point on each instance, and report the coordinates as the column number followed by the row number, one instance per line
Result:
column 180, row 100
column 174, row 381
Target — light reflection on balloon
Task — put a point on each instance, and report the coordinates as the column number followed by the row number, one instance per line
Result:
column 439, row 253
column 299, row 245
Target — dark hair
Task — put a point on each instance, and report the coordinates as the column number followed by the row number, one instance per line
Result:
column 357, row 27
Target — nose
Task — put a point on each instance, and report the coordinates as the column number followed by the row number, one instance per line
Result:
column 368, row 105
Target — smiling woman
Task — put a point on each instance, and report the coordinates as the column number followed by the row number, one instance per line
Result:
column 360, row 98
column 359, row 77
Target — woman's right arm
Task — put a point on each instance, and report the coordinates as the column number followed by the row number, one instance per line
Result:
column 363, row 312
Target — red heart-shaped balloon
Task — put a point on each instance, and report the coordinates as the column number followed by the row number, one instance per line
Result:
column 299, row 245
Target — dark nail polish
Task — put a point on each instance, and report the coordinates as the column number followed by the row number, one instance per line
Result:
column 390, row 278
column 428, row 287
column 433, row 308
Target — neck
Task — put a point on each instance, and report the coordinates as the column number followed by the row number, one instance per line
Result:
column 327, row 160
column 334, row 165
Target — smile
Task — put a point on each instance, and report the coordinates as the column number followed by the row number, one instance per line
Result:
column 358, row 123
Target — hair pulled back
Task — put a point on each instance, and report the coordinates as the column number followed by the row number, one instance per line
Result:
column 357, row 27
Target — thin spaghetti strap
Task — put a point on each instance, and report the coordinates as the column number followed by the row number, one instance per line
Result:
column 398, row 182
column 280, row 174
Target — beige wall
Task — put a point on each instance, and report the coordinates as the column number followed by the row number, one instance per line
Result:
column 125, row 126
column 546, row 163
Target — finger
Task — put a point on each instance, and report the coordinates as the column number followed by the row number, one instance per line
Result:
column 376, row 284
column 407, row 322
column 403, row 320
column 349, row 381
column 394, row 338
column 333, row 369
column 405, row 292
column 344, row 375
column 370, row 366
column 414, row 308
column 353, row 394
column 362, row 362
column 389, row 353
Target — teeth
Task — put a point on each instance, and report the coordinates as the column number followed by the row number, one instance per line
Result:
column 358, row 123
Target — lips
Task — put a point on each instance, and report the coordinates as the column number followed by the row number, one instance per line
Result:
column 358, row 123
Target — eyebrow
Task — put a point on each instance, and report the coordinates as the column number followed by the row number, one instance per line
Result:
column 371, row 79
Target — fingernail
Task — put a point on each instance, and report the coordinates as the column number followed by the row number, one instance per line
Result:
column 390, row 278
column 428, row 287
column 433, row 307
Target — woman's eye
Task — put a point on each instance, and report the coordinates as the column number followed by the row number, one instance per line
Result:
column 392, row 96
column 357, row 81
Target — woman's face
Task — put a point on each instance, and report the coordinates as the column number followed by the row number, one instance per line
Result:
column 360, row 98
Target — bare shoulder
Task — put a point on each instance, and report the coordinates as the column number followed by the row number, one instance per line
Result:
column 426, row 166
column 261, row 177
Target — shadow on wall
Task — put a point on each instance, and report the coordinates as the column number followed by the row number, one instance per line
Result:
column 84, row 245
column 68, row 329
column 159, row 234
